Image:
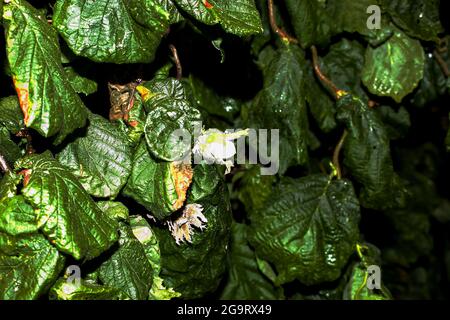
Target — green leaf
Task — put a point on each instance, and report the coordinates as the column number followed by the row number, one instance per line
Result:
column 395, row 68
column 281, row 105
column 145, row 235
column 357, row 287
column 28, row 266
column 159, row 186
column 239, row 17
column 80, row 84
column 115, row 210
column 311, row 21
column 206, row 99
column 86, row 290
column 8, row 185
column 17, row 216
column 344, row 60
column 343, row 64
column 8, row 148
column 309, row 231
column 434, row 82
column 119, row 31
column 67, row 215
column 11, row 116
column 100, row 159
column 128, row 268
column 320, row 103
column 351, row 16
column 47, row 99
column 195, row 269
column 419, row 18
column 207, row 178
column 245, row 281
column 167, row 114
column 160, row 89
column 254, row 189
column 367, row 155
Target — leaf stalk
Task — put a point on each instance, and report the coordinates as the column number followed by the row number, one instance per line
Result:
column 176, row 58
column 273, row 24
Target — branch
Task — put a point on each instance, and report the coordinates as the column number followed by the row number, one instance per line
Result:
column 442, row 63
column 280, row 32
column 337, row 93
column 336, row 153
column 177, row 61
column 4, row 164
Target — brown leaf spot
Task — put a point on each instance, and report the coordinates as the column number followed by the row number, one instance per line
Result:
column 26, row 176
column 182, row 176
column 23, row 95
column 207, row 4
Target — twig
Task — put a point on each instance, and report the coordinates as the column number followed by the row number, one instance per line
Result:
column 336, row 153
column 177, row 61
column 280, row 32
column 337, row 93
column 441, row 63
column 4, row 164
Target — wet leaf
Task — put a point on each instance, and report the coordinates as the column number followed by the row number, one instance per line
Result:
column 66, row 214
column 119, row 31
column 128, row 268
column 245, row 280
column 161, row 187
column 239, row 17
column 395, row 68
column 29, row 264
column 100, row 159
column 47, row 99
column 281, row 105
column 87, row 290
column 309, row 231
column 367, row 155
column 311, row 21
column 420, row 18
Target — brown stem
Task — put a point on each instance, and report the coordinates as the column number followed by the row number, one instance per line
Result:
column 337, row 93
column 336, row 154
column 442, row 63
column 177, row 61
column 273, row 24
column 4, row 164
